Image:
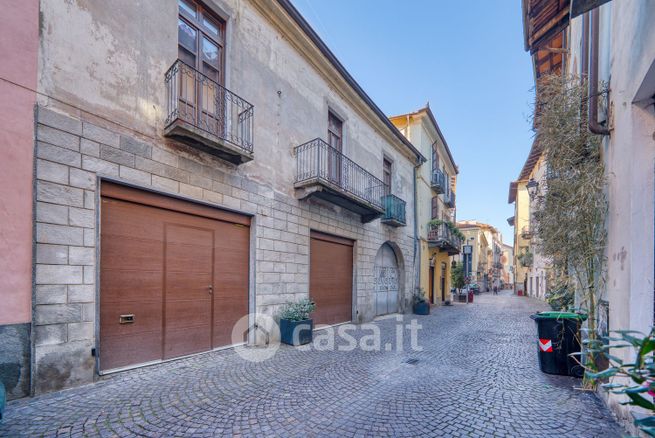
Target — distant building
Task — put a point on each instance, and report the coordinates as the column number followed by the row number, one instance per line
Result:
column 487, row 248
column 508, row 265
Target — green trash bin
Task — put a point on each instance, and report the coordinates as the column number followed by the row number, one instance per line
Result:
column 558, row 337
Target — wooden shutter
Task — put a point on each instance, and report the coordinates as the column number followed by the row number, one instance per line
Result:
column 435, row 207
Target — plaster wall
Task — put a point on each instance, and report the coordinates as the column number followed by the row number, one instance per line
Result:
column 627, row 54
column 627, row 59
column 19, row 45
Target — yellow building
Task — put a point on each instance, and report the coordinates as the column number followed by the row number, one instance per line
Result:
column 518, row 195
column 486, row 255
column 436, row 183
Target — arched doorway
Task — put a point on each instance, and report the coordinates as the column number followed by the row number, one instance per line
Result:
column 386, row 278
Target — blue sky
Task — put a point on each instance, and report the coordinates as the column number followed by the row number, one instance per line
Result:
column 466, row 59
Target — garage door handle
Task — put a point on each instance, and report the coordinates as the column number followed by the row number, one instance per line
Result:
column 211, row 289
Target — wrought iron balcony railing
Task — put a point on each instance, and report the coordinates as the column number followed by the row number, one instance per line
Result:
column 443, row 237
column 449, row 199
column 438, row 182
column 202, row 110
column 341, row 180
column 394, row 211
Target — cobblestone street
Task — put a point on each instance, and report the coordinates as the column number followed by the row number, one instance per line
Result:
column 477, row 375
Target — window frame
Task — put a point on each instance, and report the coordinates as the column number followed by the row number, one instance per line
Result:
column 386, row 160
column 332, row 133
column 198, row 24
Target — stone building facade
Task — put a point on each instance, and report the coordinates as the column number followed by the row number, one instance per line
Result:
column 102, row 137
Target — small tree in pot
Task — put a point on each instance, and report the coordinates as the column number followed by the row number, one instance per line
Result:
column 296, row 327
column 420, row 304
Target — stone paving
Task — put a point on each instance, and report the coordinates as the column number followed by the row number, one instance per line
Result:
column 477, row 375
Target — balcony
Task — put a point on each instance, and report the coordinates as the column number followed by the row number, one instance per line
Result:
column 394, row 211
column 442, row 237
column 207, row 116
column 438, row 182
column 526, row 233
column 324, row 172
column 449, row 199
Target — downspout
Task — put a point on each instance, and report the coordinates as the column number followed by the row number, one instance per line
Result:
column 417, row 260
column 594, row 126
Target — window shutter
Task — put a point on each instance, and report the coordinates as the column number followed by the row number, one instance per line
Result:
column 435, row 207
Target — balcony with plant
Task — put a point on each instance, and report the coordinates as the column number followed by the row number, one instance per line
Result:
column 445, row 235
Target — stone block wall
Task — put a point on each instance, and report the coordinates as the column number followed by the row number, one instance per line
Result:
column 74, row 155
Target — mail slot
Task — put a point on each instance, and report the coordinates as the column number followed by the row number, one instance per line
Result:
column 127, row 319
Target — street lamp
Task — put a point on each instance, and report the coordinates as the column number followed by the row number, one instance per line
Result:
column 532, row 187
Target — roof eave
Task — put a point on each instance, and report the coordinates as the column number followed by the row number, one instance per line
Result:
column 325, row 50
column 433, row 120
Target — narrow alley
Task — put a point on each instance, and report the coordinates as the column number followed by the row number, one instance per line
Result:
column 477, row 375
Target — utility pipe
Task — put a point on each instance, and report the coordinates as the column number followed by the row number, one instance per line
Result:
column 594, row 126
column 417, row 260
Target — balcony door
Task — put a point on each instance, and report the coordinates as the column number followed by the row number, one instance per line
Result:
column 386, row 175
column 201, row 46
column 335, row 140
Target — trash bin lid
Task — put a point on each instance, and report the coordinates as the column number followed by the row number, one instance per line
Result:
column 559, row 315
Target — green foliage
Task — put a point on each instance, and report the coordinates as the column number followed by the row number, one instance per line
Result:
column 435, row 222
column 419, row 296
column 560, row 297
column 451, row 226
column 636, row 378
column 457, row 275
column 570, row 209
column 525, row 258
column 298, row 311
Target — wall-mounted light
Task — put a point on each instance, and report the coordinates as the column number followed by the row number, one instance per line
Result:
column 532, row 187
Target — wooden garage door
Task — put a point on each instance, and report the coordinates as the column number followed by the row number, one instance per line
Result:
column 331, row 278
column 179, row 268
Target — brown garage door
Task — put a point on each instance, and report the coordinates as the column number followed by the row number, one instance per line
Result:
column 173, row 276
column 331, row 278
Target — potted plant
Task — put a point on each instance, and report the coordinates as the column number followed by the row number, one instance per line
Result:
column 296, row 327
column 420, row 304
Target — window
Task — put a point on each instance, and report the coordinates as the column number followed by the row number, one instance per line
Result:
column 335, row 131
column 201, row 40
column 435, row 158
column 435, row 207
column 386, row 174
column 335, row 140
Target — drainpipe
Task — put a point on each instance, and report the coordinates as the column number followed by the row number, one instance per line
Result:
column 594, row 126
column 417, row 260
column 585, row 46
